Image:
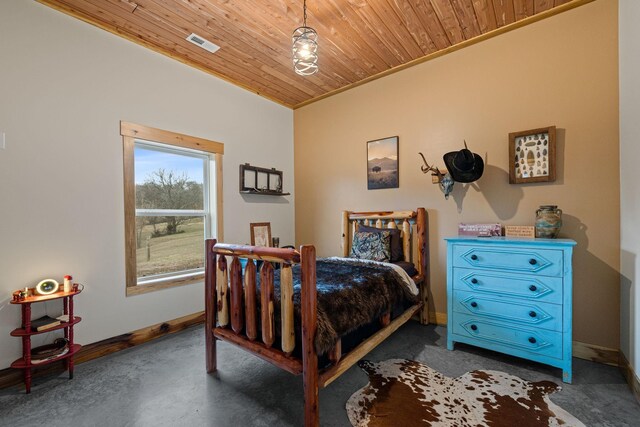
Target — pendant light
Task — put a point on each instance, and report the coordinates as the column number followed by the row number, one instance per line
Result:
column 305, row 48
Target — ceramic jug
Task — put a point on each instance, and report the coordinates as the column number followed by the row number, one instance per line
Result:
column 548, row 221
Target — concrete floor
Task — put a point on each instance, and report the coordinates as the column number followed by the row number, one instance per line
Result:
column 163, row 383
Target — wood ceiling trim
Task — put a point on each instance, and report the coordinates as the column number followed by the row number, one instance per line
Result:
column 54, row 4
column 571, row 4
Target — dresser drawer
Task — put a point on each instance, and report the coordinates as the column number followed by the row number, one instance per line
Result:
column 488, row 332
column 526, row 313
column 538, row 288
column 547, row 262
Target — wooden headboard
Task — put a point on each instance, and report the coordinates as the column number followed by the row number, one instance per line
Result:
column 413, row 227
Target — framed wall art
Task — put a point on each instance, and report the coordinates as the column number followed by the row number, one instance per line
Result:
column 382, row 163
column 260, row 234
column 532, row 156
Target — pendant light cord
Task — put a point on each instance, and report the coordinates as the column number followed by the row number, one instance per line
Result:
column 304, row 11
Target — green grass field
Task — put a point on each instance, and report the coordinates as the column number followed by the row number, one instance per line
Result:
column 177, row 252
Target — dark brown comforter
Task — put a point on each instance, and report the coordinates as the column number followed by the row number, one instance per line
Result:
column 350, row 295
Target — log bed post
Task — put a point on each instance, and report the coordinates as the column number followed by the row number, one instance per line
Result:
column 423, row 261
column 345, row 234
column 309, row 325
column 210, row 305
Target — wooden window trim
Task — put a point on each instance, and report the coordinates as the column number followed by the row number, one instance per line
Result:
column 130, row 132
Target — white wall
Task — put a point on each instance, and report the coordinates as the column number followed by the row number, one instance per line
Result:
column 629, row 33
column 64, row 87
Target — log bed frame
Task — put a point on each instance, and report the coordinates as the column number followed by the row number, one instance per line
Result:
column 231, row 309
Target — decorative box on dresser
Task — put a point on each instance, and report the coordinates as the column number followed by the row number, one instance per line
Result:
column 512, row 295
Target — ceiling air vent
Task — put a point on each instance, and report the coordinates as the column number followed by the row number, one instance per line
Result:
column 205, row 44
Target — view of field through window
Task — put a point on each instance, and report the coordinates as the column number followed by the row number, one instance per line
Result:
column 170, row 210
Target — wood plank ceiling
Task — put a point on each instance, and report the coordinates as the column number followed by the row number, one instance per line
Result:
column 359, row 40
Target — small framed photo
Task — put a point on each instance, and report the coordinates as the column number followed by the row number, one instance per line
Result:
column 261, row 234
column 532, row 156
column 382, row 163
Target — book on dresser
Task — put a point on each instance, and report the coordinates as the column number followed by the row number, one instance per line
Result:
column 512, row 295
column 43, row 323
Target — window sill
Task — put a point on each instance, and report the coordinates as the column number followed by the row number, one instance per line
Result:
column 167, row 283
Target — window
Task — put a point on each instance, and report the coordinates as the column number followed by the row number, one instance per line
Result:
column 173, row 191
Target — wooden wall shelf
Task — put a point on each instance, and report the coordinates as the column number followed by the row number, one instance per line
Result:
column 263, row 181
column 265, row 193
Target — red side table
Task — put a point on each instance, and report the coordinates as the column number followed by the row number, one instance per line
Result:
column 26, row 332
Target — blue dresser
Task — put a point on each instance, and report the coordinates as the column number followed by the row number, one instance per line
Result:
column 512, row 295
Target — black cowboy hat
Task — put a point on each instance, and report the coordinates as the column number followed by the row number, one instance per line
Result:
column 463, row 165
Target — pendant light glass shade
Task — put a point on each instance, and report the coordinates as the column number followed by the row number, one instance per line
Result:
column 305, row 48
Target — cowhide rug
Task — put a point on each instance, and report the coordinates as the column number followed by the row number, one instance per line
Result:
column 407, row 393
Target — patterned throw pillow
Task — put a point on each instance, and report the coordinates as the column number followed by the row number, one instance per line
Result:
column 396, row 241
column 372, row 246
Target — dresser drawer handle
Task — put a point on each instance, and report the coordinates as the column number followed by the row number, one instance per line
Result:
column 474, row 304
column 533, row 288
column 533, row 314
column 474, row 328
column 533, row 261
column 474, row 257
column 474, row 281
column 532, row 340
